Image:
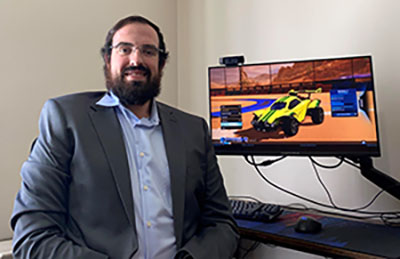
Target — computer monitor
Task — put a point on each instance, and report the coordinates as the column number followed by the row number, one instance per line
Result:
column 310, row 107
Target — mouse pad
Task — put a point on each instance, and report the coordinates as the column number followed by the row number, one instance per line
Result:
column 336, row 232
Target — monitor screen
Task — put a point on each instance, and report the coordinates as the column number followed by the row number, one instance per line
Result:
column 309, row 107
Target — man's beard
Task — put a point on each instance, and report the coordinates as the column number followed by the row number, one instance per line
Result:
column 134, row 92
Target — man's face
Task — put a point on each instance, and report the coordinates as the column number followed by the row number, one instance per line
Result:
column 133, row 70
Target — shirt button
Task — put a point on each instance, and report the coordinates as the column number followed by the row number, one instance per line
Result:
column 145, row 187
column 141, row 154
column 148, row 224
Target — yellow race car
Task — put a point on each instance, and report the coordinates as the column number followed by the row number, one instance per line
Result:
column 288, row 112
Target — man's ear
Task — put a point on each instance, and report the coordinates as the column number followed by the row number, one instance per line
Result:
column 162, row 65
column 106, row 60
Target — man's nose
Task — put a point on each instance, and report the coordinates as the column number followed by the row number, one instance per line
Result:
column 135, row 58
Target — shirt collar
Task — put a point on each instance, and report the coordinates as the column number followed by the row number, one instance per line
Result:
column 111, row 100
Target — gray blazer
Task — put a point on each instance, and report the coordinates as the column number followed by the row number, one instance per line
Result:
column 76, row 200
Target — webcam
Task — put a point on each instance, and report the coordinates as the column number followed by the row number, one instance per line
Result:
column 231, row 61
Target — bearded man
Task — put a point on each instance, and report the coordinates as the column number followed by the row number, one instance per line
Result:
column 117, row 174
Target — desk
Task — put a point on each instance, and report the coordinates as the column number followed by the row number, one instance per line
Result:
column 338, row 237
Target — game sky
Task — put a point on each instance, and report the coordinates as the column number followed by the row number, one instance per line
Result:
column 345, row 96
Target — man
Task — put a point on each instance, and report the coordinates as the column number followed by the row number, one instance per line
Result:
column 119, row 175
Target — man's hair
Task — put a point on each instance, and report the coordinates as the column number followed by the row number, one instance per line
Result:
column 106, row 49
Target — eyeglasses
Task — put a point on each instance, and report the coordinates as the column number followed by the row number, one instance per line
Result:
column 125, row 49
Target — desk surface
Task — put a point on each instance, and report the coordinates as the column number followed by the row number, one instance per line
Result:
column 338, row 237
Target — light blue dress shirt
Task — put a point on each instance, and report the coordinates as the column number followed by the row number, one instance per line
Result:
column 150, row 179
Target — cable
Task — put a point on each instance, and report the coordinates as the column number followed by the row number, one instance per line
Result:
column 328, row 193
column 388, row 218
column 244, row 197
column 391, row 221
column 265, row 162
column 284, row 190
column 315, row 202
column 321, row 182
column 371, row 201
column 351, row 163
column 341, row 160
column 384, row 216
column 294, row 206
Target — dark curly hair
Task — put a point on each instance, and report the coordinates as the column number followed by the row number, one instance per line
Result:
column 106, row 49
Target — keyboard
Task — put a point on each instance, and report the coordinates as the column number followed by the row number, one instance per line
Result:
column 257, row 211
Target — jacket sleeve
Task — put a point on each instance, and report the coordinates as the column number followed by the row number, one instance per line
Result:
column 40, row 214
column 218, row 236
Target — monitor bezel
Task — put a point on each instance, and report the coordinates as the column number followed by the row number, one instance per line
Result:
column 300, row 149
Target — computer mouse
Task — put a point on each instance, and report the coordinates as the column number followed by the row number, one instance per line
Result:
column 307, row 224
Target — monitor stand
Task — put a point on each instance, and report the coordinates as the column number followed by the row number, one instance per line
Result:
column 384, row 181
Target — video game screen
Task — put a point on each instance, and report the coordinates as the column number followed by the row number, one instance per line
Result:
column 312, row 107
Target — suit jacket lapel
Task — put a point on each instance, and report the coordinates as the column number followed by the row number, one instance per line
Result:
column 175, row 149
column 109, row 132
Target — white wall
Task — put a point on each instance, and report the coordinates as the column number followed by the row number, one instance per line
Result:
column 270, row 30
column 50, row 48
